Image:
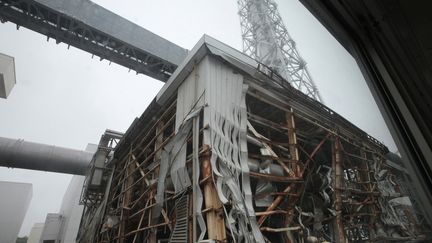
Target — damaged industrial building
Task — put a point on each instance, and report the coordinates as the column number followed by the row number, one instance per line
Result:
column 236, row 146
column 228, row 151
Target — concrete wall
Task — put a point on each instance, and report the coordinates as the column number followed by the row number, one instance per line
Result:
column 14, row 202
column 71, row 210
column 35, row 233
column 69, row 216
column 52, row 227
column 7, row 75
column 63, row 226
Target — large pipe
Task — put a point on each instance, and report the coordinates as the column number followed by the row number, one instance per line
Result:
column 17, row 153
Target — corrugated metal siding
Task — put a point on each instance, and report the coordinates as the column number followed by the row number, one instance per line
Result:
column 225, row 113
column 190, row 91
column 222, row 83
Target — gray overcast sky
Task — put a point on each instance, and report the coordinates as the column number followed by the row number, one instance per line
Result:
column 64, row 97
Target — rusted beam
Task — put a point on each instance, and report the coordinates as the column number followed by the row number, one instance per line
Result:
column 311, row 155
column 366, row 176
column 215, row 221
column 158, row 152
column 265, row 122
column 139, row 224
column 270, row 212
column 147, row 207
column 299, row 188
column 274, row 178
column 150, row 156
column 127, row 197
column 292, row 140
column 337, row 195
column 147, row 227
column 280, row 198
column 274, row 204
column 140, row 143
column 273, row 230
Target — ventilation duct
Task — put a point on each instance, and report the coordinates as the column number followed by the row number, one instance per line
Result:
column 17, row 153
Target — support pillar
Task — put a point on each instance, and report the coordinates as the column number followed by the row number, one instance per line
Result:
column 157, row 156
column 127, row 198
column 292, row 140
column 365, row 176
column 337, row 196
column 297, row 189
column 213, row 205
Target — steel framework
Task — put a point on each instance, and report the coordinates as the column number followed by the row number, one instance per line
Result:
column 265, row 163
column 266, row 39
column 91, row 28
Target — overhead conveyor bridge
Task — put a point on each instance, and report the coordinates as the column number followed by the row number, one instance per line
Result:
column 92, row 28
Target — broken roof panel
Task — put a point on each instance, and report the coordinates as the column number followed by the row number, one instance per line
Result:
column 210, row 46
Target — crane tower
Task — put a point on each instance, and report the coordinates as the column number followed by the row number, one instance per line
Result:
column 266, row 39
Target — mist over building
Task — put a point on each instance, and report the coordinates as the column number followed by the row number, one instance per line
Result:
column 235, row 147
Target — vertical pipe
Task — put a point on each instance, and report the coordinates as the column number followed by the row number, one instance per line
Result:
column 337, row 196
column 195, row 181
column 215, row 223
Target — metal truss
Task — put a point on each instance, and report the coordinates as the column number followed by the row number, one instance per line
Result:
column 98, row 173
column 97, row 178
column 266, row 39
column 59, row 25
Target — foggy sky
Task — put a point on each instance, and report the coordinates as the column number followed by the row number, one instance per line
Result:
column 64, row 97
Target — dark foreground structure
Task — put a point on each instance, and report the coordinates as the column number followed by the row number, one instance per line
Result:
column 229, row 152
column 391, row 41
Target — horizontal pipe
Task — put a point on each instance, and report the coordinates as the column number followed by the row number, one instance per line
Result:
column 268, row 229
column 17, row 153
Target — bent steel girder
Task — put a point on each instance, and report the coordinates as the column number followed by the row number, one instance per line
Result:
column 92, row 28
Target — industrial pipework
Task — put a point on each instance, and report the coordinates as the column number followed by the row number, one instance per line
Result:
column 17, row 153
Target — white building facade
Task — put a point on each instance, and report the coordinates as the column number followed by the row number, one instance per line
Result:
column 63, row 226
column 14, row 203
column 35, row 233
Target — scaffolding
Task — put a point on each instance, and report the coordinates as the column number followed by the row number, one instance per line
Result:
column 229, row 152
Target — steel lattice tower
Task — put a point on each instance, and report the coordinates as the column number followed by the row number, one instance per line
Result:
column 266, row 39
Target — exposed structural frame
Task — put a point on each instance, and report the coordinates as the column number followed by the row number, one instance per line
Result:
column 97, row 173
column 260, row 165
column 389, row 40
column 266, row 39
column 90, row 27
column 97, row 179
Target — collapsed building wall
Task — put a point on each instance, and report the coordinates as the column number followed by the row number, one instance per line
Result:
column 229, row 152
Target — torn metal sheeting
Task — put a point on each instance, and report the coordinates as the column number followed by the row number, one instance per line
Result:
column 204, row 163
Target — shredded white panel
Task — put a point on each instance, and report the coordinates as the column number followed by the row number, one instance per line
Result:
column 226, row 116
column 190, row 94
